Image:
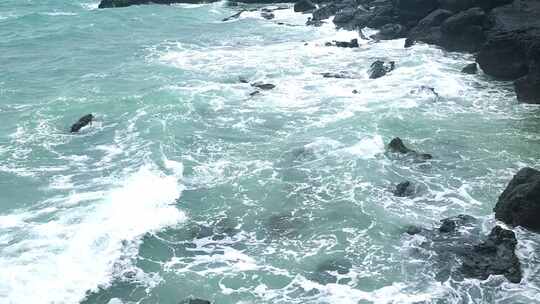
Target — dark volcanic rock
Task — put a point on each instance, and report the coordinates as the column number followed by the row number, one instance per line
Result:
column 195, row 301
column 263, row 86
column 495, row 256
column 344, row 44
column 450, row 224
column 470, row 69
column 519, row 204
column 325, row 12
column 458, row 250
column 396, row 145
column 505, row 45
column 125, row 3
column 403, row 189
column 83, row 121
column 380, row 68
column 304, row 6
column 465, row 30
column 414, row 10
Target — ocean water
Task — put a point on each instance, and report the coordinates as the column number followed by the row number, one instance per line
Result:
column 186, row 186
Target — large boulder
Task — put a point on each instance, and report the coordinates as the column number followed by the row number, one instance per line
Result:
column 414, row 10
column 505, row 45
column 304, row 6
column 495, row 256
column 465, row 30
column 519, row 204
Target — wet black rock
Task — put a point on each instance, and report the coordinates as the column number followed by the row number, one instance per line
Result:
column 344, row 44
column 494, row 256
column 304, row 6
column 380, row 68
column 470, row 69
column 126, row 3
column 396, row 145
column 243, row 80
column 449, row 225
column 234, row 16
column 404, row 189
column 82, row 122
column 263, row 86
column 458, row 250
column 195, row 301
column 340, row 75
column 268, row 15
column 254, row 93
column 519, row 204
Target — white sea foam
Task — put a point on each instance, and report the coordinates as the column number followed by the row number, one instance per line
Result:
column 80, row 247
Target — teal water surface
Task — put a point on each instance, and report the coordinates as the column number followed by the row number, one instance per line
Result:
column 187, row 186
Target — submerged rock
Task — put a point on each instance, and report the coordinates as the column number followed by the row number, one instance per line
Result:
column 449, row 225
column 390, row 31
column 284, row 225
column 379, row 68
column 470, row 69
column 303, row 6
column 263, row 86
column 403, row 189
column 327, row 270
column 195, row 301
column 83, row 121
column 519, row 204
column 494, row 256
column 268, row 15
column 340, row 75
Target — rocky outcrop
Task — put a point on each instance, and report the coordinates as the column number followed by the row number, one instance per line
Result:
column 519, row 204
column 459, row 250
column 380, row 68
column 303, row 6
column 495, row 256
column 82, row 122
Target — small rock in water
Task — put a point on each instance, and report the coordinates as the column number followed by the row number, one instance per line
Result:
column 195, row 301
column 355, row 92
column 254, row 93
column 450, row 224
column 284, row 225
column 315, row 23
column 325, row 270
column 83, row 121
column 243, row 80
column 235, row 16
column 340, row 75
column 380, row 68
column 409, row 42
column 396, row 145
column 344, row 44
column 268, row 15
column 404, row 189
column 263, row 86
column 470, row 69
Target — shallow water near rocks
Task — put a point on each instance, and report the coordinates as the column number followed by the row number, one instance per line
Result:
column 187, row 186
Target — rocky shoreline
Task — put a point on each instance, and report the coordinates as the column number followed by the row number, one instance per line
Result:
column 503, row 34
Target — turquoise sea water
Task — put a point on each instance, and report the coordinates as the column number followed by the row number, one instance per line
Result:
column 186, row 186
